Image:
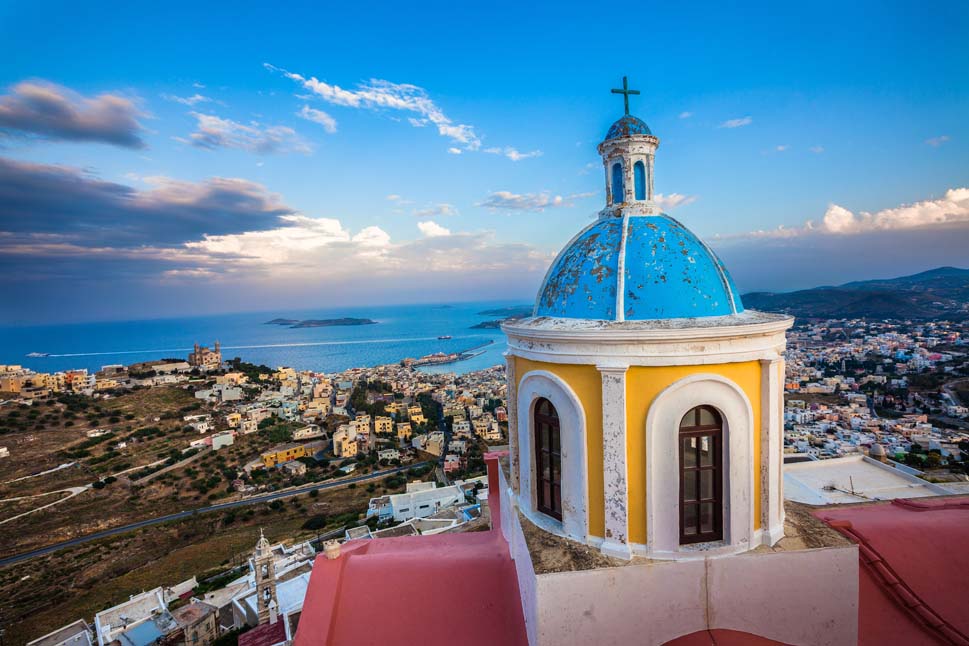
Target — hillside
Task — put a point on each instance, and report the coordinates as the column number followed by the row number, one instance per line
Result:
column 933, row 294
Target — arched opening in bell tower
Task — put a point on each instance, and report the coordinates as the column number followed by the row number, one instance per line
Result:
column 618, row 192
column 639, row 180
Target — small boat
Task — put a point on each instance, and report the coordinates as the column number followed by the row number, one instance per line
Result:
column 37, row 355
column 445, row 337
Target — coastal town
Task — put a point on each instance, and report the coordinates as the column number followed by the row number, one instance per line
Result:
column 372, row 452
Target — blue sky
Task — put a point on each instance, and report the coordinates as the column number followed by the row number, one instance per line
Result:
column 236, row 156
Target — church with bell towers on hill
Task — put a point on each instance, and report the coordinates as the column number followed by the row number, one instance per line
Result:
column 640, row 499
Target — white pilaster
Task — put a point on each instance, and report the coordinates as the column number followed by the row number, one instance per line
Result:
column 512, row 380
column 614, row 467
column 771, row 450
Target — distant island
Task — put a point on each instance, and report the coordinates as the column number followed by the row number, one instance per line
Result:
column 513, row 312
column 934, row 294
column 293, row 323
column 506, row 313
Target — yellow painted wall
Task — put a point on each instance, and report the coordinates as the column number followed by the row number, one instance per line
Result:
column 587, row 384
column 643, row 384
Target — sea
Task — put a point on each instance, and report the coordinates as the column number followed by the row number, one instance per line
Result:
column 401, row 331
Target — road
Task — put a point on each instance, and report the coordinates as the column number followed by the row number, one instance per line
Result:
column 10, row 560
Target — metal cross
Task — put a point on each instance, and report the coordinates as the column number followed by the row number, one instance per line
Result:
column 625, row 92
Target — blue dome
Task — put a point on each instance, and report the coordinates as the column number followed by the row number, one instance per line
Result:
column 666, row 273
column 628, row 125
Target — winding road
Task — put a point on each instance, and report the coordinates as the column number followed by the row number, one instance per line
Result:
column 277, row 495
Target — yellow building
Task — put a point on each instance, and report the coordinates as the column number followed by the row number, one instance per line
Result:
column 233, row 420
column 416, row 414
column 282, row 453
column 403, row 431
column 645, row 403
column 383, row 425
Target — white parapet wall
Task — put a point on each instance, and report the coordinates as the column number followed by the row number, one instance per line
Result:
column 806, row 596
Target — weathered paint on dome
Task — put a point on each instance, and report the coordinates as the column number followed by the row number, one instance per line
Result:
column 582, row 281
column 628, row 125
column 667, row 273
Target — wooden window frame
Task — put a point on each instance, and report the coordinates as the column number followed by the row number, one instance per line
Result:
column 553, row 506
column 715, row 433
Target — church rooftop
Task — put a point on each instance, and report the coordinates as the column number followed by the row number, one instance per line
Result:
column 627, row 126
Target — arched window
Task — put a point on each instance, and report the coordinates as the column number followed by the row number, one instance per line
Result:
column 618, row 194
column 548, row 460
column 639, row 176
column 701, row 476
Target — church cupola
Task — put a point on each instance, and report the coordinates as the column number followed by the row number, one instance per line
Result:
column 627, row 156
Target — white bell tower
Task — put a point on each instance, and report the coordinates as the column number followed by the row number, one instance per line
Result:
column 627, row 158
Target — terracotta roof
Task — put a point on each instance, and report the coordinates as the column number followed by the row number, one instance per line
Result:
column 264, row 634
column 468, row 578
column 914, row 557
column 721, row 637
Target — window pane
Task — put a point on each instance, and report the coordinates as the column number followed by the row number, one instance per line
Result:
column 555, row 440
column 706, row 517
column 544, row 465
column 543, row 434
column 706, row 485
column 546, row 492
column 689, row 451
column 689, row 486
column 707, row 418
column 689, row 419
column 556, row 469
column 689, row 520
column 706, row 451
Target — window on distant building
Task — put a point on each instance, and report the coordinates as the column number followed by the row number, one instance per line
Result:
column 618, row 195
column 701, row 476
column 639, row 176
column 548, row 460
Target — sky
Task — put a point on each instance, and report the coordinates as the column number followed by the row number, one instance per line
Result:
column 175, row 159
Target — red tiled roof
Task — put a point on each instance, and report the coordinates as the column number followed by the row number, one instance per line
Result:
column 914, row 558
column 721, row 637
column 445, row 589
column 264, row 634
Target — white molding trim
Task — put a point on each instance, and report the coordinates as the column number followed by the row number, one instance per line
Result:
column 631, row 345
column 575, row 480
column 662, row 466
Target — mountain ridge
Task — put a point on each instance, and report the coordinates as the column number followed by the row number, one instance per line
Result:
column 937, row 293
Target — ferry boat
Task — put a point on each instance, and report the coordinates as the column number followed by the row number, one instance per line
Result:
column 37, row 355
column 445, row 337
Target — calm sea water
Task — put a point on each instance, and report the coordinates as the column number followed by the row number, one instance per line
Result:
column 400, row 332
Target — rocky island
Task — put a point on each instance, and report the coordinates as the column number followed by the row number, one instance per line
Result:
column 507, row 314
column 293, row 323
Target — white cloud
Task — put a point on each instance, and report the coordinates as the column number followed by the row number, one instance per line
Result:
column 442, row 209
column 377, row 94
column 318, row 116
column 454, row 151
column 393, row 197
column 686, row 115
column 781, row 148
column 432, row 229
column 508, row 201
column 187, row 100
column 215, row 132
column 953, row 208
column 372, row 236
column 817, row 150
column 935, row 142
column 673, row 200
column 737, row 123
column 513, row 153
